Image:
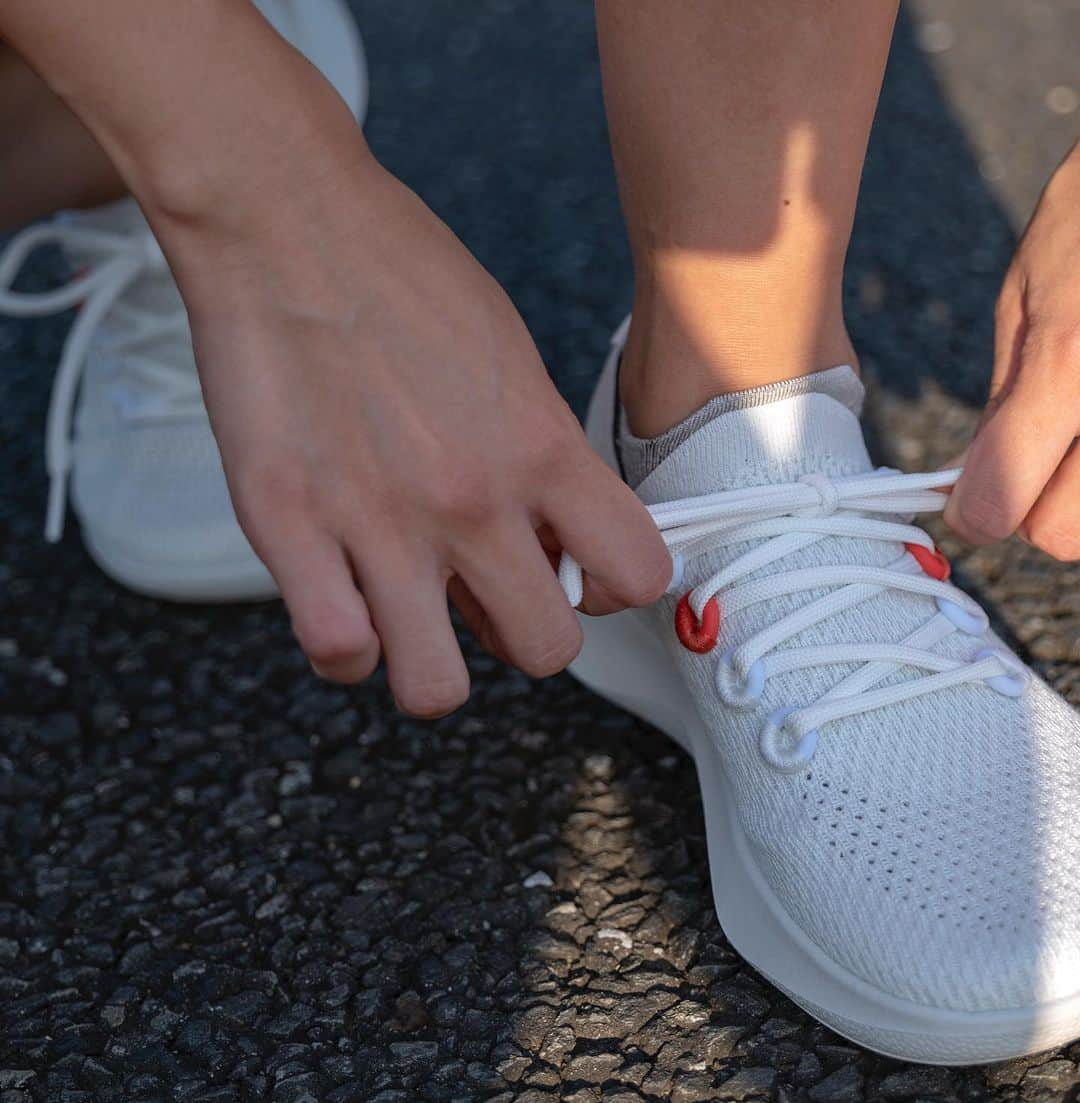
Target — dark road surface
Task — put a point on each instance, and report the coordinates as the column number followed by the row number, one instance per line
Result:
column 222, row 880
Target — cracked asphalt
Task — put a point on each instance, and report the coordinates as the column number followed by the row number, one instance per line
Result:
column 222, row 880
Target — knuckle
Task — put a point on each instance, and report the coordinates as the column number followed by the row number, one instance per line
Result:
column 560, row 451
column 1066, row 342
column 464, row 498
column 261, row 497
column 334, row 647
column 1060, row 541
column 273, row 485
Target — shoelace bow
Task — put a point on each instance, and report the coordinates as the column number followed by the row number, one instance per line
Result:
column 786, row 518
column 120, row 260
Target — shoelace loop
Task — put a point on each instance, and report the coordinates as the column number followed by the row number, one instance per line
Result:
column 780, row 519
column 120, row 259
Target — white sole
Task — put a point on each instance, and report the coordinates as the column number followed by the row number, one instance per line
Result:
column 240, row 579
column 623, row 660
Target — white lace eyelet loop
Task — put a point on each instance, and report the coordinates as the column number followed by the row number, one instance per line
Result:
column 739, row 692
column 678, row 568
column 789, row 758
column 1008, row 685
column 965, row 621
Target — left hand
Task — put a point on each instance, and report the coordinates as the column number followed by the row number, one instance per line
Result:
column 1022, row 470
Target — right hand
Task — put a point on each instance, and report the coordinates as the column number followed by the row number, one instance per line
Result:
column 388, row 430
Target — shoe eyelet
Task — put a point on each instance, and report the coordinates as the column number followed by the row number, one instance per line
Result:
column 965, row 621
column 678, row 568
column 1008, row 685
column 786, row 759
column 694, row 635
column 933, row 562
column 739, row 692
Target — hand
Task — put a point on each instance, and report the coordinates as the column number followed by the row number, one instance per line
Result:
column 388, row 429
column 1022, row 470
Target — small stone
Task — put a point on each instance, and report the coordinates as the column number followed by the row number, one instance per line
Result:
column 537, row 880
column 193, row 1036
column 415, row 1056
column 513, row 1068
column 914, row 1083
column 558, row 1045
column 1055, row 1077
column 296, row 779
column 749, row 1083
column 1062, row 100
column 843, row 1086
column 136, row 958
column 593, row 1068
column 693, row 1089
column 599, row 767
column 615, row 942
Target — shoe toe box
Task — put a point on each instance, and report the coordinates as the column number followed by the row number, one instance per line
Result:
column 154, row 504
column 943, row 868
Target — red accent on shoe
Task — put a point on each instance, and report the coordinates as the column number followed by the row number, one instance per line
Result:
column 932, row 562
column 695, row 635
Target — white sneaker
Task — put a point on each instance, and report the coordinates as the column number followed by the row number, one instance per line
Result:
column 146, row 477
column 890, row 795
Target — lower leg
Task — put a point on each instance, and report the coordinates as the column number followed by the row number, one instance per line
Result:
column 48, row 160
column 739, row 132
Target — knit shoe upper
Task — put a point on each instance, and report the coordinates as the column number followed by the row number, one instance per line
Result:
column 907, row 788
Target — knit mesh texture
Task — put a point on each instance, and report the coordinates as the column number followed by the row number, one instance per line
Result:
column 931, row 848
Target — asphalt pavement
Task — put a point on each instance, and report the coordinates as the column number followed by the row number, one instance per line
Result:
column 223, row 880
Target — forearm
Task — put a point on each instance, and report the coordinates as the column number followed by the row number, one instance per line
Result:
column 202, row 106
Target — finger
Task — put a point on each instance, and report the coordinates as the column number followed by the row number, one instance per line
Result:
column 1054, row 522
column 607, row 529
column 476, row 619
column 330, row 618
column 407, row 598
column 596, row 600
column 529, row 618
column 1017, row 449
column 1010, row 329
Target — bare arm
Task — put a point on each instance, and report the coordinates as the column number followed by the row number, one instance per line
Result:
column 386, row 426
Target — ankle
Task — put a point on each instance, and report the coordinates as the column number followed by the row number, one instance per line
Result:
column 680, row 353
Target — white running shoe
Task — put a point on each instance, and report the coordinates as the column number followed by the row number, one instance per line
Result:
column 890, row 795
column 126, row 420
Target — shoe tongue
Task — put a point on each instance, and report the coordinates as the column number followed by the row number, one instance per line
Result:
column 778, row 442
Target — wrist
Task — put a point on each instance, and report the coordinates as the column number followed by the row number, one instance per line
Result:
column 248, row 154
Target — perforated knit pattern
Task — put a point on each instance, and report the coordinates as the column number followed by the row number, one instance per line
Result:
column 931, row 848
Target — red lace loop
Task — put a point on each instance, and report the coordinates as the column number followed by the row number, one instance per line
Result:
column 932, row 562
column 694, row 635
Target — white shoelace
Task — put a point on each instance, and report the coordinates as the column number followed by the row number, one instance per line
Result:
column 787, row 518
column 121, row 260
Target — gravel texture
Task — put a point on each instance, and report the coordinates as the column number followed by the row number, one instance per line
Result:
column 222, row 880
